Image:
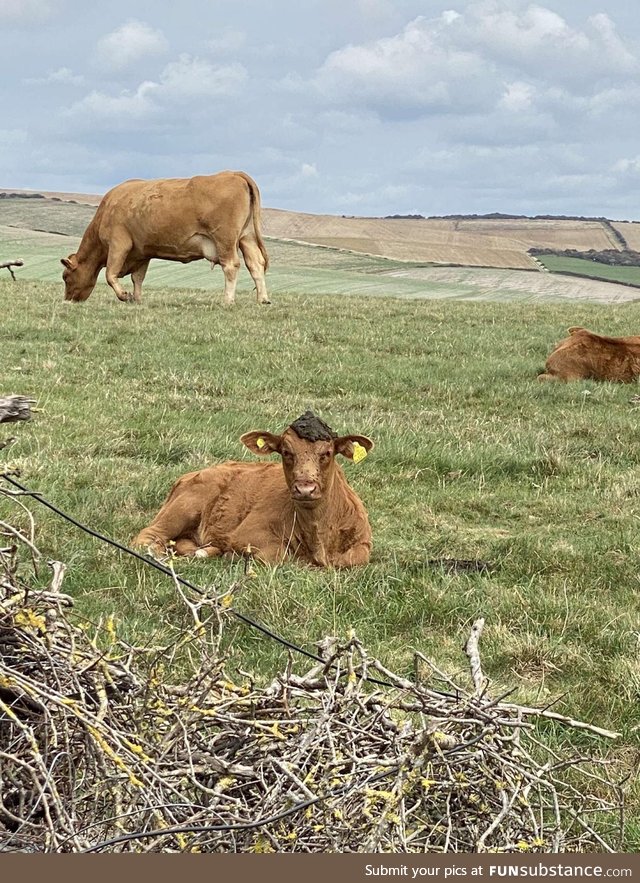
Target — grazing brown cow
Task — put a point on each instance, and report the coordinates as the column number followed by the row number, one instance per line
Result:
column 302, row 508
column 588, row 356
column 176, row 219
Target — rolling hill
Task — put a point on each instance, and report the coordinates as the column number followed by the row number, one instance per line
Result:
column 469, row 258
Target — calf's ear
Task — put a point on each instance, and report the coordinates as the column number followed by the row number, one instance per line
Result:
column 261, row 443
column 353, row 447
column 70, row 263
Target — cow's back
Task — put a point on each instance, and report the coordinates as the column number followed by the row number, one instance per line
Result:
column 589, row 356
column 162, row 215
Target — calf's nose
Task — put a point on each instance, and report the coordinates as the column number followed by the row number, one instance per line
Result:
column 304, row 489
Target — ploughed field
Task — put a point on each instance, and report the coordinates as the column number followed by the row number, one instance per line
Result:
column 474, row 459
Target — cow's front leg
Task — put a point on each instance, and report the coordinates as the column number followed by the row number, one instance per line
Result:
column 267, row 550
column 116, row 259
column 190, row 548
column 353, row 557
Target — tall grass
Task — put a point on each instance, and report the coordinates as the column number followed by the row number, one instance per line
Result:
column 473, row 459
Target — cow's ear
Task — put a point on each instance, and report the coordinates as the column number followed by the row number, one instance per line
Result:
column 261, row 443
column 353, row 447
column 70, row 263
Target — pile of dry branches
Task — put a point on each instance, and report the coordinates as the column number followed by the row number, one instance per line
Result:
column 105, row 746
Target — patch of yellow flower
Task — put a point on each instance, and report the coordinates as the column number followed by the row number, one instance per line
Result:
column 29, row 620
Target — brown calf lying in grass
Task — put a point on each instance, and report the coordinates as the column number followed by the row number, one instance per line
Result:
column 588, row 356
column 302, row 508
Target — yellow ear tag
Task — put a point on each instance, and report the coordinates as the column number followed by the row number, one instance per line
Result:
column 260, row 442
column 359, row 452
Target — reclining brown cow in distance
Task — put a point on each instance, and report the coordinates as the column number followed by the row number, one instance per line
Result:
column 301, row 508
column 588, row 356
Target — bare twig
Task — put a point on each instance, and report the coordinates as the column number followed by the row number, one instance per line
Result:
column 14, row 408
column 7, row 265
column 472, row 650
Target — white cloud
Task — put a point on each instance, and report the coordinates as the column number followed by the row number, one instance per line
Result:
column 628, row 166
column 227, row 42
column 518, row 96
column 416, row 71
column 450, row 15
column 309, row 170
column 538, row 40
column 62, row 75
column 181, row 86
column 30, row 11
column 492, row 54
column 128, row 44
column 128, row 110
column 196, row 78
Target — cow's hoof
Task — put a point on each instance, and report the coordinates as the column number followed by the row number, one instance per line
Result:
column 201, row 553
column 264, row 302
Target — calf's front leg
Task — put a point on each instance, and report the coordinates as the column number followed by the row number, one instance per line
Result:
column 353, row 557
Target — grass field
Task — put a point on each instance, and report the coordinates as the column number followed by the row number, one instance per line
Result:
column 473, row 459
column 581, row 267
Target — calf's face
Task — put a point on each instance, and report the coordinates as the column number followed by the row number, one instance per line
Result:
column 308, row 466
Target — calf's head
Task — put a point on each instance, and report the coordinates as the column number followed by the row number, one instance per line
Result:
column 308, row 449
column 79, row 280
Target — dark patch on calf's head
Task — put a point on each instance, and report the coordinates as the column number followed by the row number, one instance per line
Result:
column 312, row 428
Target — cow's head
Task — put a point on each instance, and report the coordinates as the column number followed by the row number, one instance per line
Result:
column 79, row 280
column 308, row 449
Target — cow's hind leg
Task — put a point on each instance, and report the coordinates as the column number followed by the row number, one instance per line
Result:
column 177, row 521
column 230, row 263
column 255, row 262
column 119, row 249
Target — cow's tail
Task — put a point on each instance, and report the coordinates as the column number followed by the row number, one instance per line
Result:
column 256, row 210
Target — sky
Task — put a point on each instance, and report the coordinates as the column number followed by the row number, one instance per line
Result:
column 348, row 107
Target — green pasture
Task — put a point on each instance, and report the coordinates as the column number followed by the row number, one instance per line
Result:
column 474, row 459
column 593, row 269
